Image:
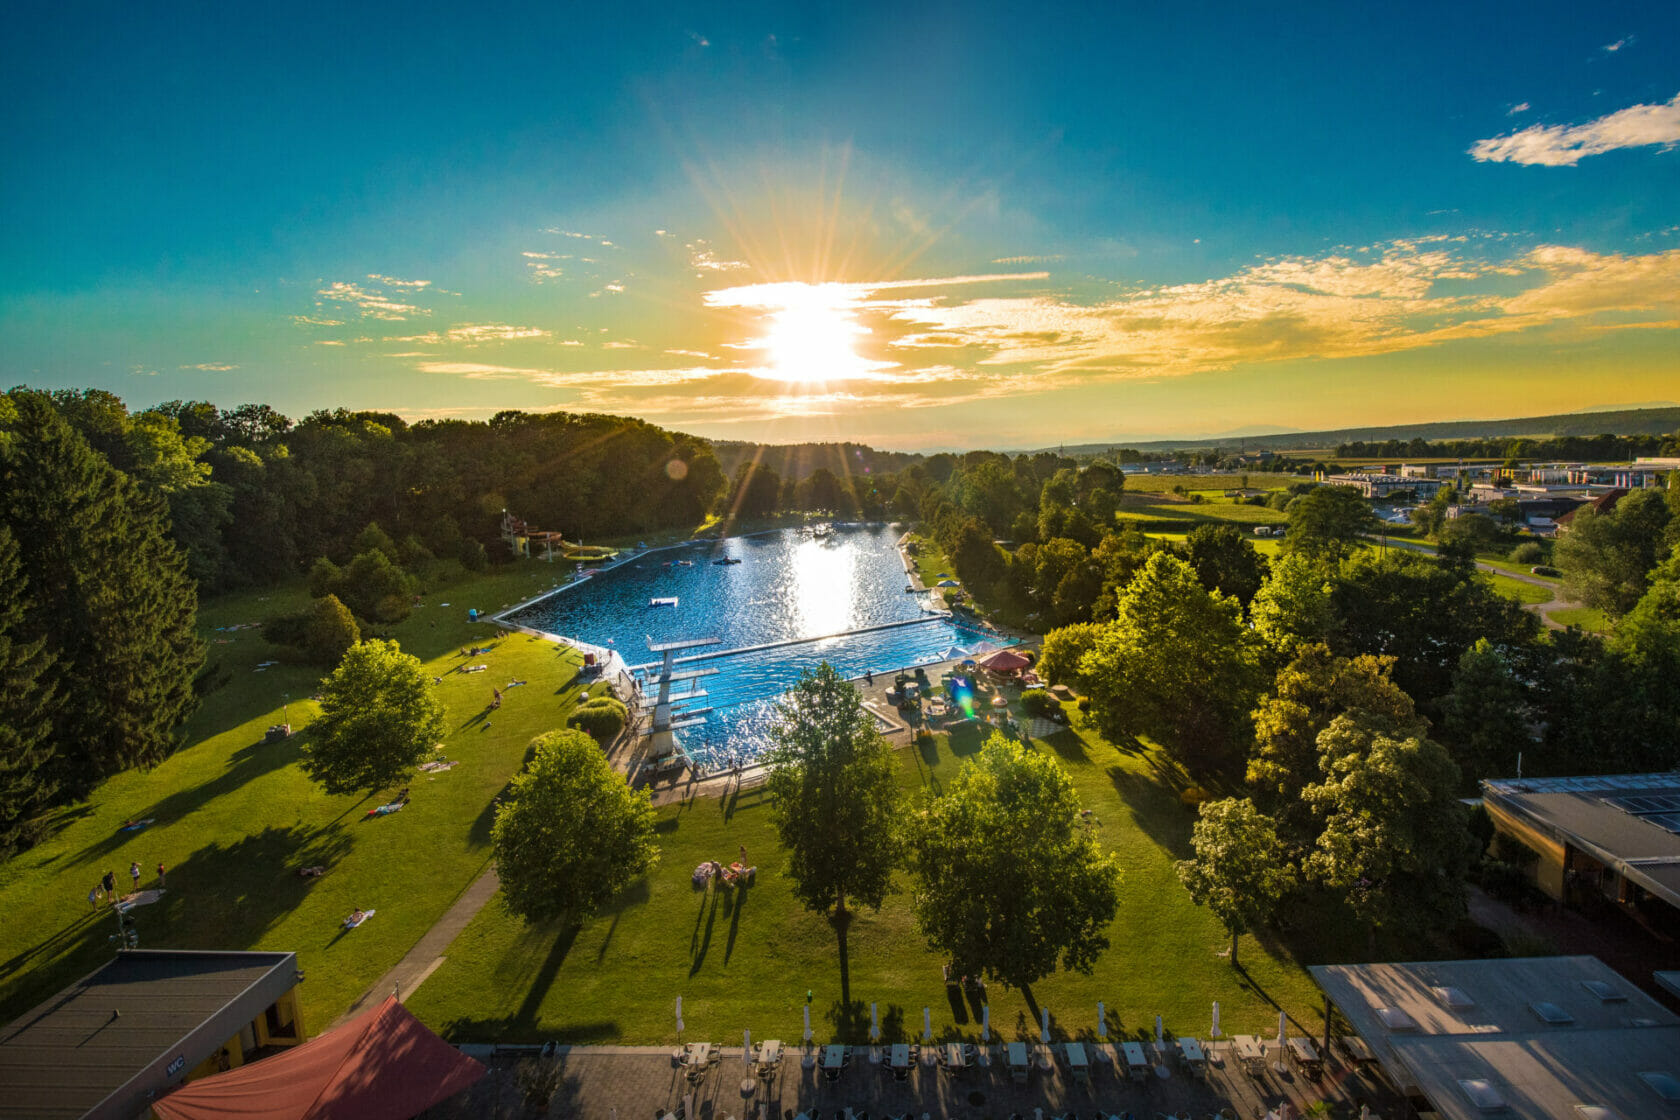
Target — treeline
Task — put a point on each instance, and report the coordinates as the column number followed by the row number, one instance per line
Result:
column 1600, row 448
column 796, row 462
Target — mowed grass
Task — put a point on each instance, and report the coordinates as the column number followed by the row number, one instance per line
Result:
column 745, row 959
column 1590, row 619
column 235, row 817
column 1521, row 591
column 1265, row 546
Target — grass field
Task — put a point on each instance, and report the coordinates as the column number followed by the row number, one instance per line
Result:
column 1589, row 619
column 746, row 960
column 235, row 817
column 1218, row 483
column 1213, row 510
column 1522, row 592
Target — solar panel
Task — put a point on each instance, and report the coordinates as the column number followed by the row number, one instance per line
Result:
column 1669, row 821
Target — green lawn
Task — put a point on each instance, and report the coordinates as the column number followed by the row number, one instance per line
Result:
column 1520, row 591
column 746, row 961
column 1590, row 619
column 1266, row 546
column 1214, row 508
column 930, row 561
column 234, row 817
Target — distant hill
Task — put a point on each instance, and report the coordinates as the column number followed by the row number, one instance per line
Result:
column 1620, row 422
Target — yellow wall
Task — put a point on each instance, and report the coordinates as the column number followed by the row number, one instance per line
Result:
column 1548, row 869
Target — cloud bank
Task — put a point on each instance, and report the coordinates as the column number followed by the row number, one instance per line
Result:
column 1565, row 145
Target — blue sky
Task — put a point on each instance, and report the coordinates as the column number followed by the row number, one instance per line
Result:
column 950, row 226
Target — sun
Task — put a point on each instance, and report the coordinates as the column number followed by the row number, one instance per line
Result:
column 811, row 331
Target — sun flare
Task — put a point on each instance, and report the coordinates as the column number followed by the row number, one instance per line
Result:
column 811, row 331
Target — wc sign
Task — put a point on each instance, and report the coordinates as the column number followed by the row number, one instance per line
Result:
column 176, row 1066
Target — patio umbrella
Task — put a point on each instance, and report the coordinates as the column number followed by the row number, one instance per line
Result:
column 1215, row 1031
column 927, row 1025
column 807, row 1022
column 1102, row 1023
column 679, row 1015
column 1283, row 1028
column 947, row 583
column 1003, row 661
column 874, row 1025
column 1044, row 1025
column 985, row 1022
column 1157, row 1030
column 746, row 1047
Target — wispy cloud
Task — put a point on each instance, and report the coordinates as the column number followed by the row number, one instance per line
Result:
column 471, row 334
column 1637, row 126
column 393, row 282
column 372, row 304
column 1050, row 259
column 316, row 321
column 1519, row 107
column 702, row 258
column 1619, row 44
column 544, row 266
column 212, row 367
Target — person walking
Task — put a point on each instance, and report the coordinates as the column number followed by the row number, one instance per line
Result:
column 160, row 876
column 94, row 896
column 109, row 885
column 134, row 873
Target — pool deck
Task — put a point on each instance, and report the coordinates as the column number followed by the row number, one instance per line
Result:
column 635, row 1083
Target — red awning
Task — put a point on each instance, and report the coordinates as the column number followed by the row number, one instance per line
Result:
column 384, row 1065
column 1003, row 661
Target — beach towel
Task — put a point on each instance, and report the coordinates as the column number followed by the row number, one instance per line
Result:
column 139, row 898
column 353, row 923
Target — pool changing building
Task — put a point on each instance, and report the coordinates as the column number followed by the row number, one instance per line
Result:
column 109, row 1045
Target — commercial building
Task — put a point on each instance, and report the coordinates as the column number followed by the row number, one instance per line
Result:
column 113, row 1042
column 1382, row 485
column 1614, row 836
column 1556, row 1037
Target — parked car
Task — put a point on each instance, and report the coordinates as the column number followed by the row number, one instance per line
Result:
column 1545, row 570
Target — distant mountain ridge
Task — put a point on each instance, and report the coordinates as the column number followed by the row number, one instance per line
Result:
column 1621, row 422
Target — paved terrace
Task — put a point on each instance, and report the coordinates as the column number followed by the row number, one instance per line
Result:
column 641, row 1083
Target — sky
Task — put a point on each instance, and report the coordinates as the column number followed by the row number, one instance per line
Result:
column 918, row 226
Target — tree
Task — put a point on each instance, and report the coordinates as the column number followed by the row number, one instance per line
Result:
column 108, row 593
column 1063, row 650
column 834, row 798
column 755, row 492
column 1310, row 693
column 1328, row 522
column 1395, row 844
column 1226, row 561
column 1008, row 885
column 1487, row 716
column 602, row 717
column 375, row 588
column 1293, row 605
column 1238, row 872
column 1606, row 558
column 378, row 720
column 330, row 631
column 1177, row 664
column 570, row 833
column 26, row 697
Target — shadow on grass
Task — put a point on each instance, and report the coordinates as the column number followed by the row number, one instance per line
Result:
column 244, row 765
column 636, row 894
column 1069, row 747
column 700, row 942
column 968, row 737
column 1155, row 809
column 742, row 892
column 229, row 895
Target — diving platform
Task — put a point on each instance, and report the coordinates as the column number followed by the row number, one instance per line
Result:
column 652, row 702
column 688, row 675
column 686, row 643
column 682, row 723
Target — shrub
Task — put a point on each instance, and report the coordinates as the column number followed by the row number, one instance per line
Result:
column 330, row 630
column 1036, row 701
column 472, row 556
column 375, row 588
column 602, row 718
column 1192, row 796
column 1529, row 552
column 323, row 577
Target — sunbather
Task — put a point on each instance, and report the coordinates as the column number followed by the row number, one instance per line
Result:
column 311, row 872
column 356, row 918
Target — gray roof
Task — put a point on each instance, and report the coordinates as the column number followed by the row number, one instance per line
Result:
column 1593, row 815
column 1487, row 1034
column 110, row 1036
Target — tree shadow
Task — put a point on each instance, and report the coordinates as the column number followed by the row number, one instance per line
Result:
column 1067, row 745
column 968, row 737
column 635, row 894
column 526, row 1017
column 740, row 903
column 244, row 765
column 230, row 895
column 701, row 942
column 78, row 926
column 1155, row 809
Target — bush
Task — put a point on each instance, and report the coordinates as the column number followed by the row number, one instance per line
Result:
column 330, row 630
column 1037, row 702
column 375, row 588
column 323, row 577
column 602, row 718
column 1529, row 552
column 472, row 556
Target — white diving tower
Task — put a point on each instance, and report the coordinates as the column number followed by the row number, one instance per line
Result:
column 674, row 712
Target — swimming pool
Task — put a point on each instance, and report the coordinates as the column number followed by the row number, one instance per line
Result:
column 793, row 601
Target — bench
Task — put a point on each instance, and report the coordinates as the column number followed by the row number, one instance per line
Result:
column 752, row 780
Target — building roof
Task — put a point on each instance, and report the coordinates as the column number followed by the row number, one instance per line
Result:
column 383, row 1065
column 1630, row 822
column 91, row 1040
column 1542, row 1035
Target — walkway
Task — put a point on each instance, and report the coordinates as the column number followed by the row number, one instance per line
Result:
column 422, row 960
column 1557, row 602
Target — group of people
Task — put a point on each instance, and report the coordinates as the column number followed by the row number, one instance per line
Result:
column 106, row 889
column 736, row 872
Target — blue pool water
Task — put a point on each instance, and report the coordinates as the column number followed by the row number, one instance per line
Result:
column 839, row 599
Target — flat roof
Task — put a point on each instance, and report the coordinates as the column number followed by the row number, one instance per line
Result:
column 1540, row 1034
column 67, row 1056
column 1627, row 821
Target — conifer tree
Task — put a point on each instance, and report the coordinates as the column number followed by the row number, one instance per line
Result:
column 109, row 593
column 25, row 695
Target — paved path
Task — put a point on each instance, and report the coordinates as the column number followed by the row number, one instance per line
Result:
column 427, row 954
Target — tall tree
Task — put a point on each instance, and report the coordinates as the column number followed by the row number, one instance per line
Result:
column 378, row 720
column 834, row 795
column 1396, row 841
column 1606, row 558
column 570, row 833
column 1178, row 665
column 1008, row 884
column 1226, row 561
column 1293, row 606
column 109, row 593
column 1487, row 715
column 1328, row 522
column 1238, row 872
column 26, row 698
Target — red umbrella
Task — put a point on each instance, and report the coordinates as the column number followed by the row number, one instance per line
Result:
column 1003, row 661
